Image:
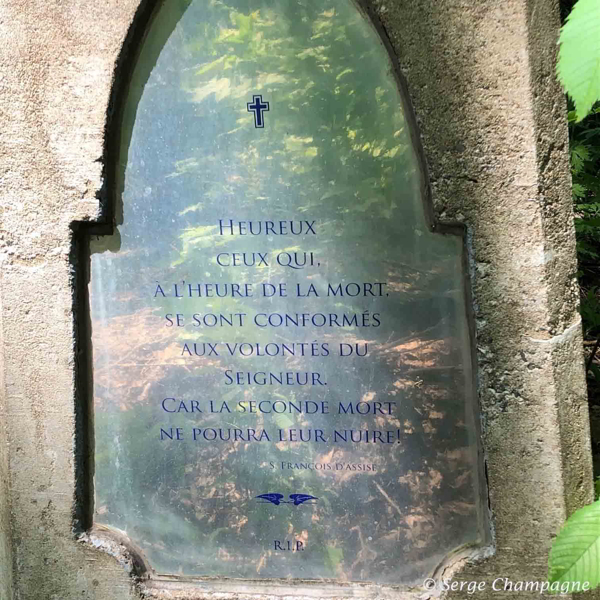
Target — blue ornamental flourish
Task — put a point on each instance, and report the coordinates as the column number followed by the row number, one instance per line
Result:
column 295, row 499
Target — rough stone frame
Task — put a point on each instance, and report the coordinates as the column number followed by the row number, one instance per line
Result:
column 112, row 213
column 491, row 117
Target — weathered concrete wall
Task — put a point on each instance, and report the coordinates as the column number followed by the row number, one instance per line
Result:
column 5, row 524
column 56, row 61
column 480, row 73
column 492, row 117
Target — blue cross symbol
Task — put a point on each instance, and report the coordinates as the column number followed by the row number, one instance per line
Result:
column 257, row 106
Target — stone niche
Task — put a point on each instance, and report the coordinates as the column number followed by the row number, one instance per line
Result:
column 314, row 332
column 282, row 355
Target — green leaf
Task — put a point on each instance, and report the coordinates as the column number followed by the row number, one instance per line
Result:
column 579, row 191
column 579, row 56
column 586, row 250
column 590, row 133
column 588, row 223
column 579, row 155
column 575, row 554
column 590, row 182
column 588, row 208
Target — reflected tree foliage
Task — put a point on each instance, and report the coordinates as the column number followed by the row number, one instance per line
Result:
column 336, row 149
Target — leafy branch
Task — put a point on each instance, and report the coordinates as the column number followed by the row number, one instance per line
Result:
column 579, row 56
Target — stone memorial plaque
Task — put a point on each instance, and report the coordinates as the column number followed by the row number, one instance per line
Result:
column 282, row 360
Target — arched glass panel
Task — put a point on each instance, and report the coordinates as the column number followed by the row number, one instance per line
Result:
column 282, row 361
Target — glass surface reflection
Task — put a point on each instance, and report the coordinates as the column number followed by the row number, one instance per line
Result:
column 282, row 378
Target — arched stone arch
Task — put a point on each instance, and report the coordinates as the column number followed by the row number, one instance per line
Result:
column 336, row 165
